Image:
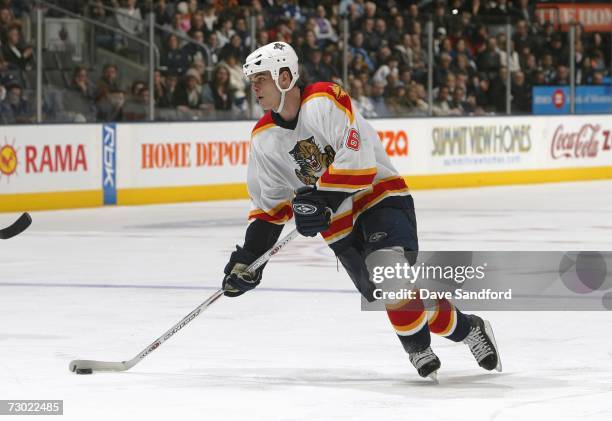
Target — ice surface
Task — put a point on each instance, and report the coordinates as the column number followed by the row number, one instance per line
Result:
column 104, row 283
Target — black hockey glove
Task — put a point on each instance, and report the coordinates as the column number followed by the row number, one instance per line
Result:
column 237, row 279
column 313, row 209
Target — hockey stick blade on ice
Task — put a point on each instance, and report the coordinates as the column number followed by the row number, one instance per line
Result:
column 19, row 226
column 90, row 366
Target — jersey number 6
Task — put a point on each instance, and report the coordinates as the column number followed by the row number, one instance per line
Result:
column 352, row 141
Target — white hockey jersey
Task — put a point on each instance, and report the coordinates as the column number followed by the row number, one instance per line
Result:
column 329, row 144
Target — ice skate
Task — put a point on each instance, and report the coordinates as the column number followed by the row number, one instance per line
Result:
column 482, row 344
column 426, row 362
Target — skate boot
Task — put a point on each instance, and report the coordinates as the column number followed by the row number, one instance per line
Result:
column 426, row 362
column 482, row 344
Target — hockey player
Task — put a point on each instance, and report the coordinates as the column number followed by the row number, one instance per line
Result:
column 313, row 156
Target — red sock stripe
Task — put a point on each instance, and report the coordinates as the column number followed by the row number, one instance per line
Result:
column 407, row 315
column 443, row 319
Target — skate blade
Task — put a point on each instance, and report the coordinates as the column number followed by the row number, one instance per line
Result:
column 489, row 331
column 434, row 376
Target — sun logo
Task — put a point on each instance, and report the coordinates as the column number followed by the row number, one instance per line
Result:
column 338, row 91
column 8, row 160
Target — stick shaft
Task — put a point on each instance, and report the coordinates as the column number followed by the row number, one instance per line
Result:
column 208, row 302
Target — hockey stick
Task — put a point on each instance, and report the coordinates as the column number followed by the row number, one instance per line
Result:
column 19, row 226
column 89, row 366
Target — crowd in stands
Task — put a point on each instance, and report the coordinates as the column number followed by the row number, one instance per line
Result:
column 387, row 56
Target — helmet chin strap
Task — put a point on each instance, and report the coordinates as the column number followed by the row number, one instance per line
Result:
column 283, row 92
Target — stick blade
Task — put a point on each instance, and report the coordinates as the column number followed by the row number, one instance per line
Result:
column 97, row 366
column 19, row 226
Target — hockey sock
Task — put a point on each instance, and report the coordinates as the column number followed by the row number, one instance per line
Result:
column 446, row 320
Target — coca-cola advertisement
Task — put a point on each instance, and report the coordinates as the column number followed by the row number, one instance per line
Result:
column 583, row 143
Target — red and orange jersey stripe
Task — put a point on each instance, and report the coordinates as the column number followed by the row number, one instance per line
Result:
column 264, row 123
column 333, row 92
column 347, row 179
column 279, row 215
column 342, row 224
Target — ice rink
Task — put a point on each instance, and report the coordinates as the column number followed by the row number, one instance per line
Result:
column 104, row 283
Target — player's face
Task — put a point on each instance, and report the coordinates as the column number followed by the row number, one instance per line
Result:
column 265, row 90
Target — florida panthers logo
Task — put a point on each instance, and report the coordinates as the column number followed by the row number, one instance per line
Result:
column 311, row 160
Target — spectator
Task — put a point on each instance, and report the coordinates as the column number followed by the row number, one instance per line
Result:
column 238, row 48
column 323, row 30
column 397, row 31
column 110, row 107
column 163, row 12
column 562, row 75
column 404, row 50
column 81, row 84
column 217, row 94
column 159, row 90
column 225, row 32
column 498, row 90
column 182, row 17
column 7, row 20
column 443, row 69
column 15, row 108
column 310, row 43
column 136, row 107
column 521, row 94
column 188, row 94
column 357, row 49
column 361, row 101
column 315, row 70
column 17, row 54
column 243, row 32
column 514, row 65
column 598, row 78
column 197, row 22
column 441, row 105
column 237, row 82
column 489, row 60
column 414, row 105
column 459, row 102
column 175, row 58
column 371, row 39
column 522, row 38
column 379, row 101
column 213, row 46
column 109, row 81
column 170, row 85
column 129, row 18
column 79, row 99
column 550, row 75
column 197, row 49
column 210, row 18
column 390, row 67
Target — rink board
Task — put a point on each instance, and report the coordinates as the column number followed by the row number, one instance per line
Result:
column 67, row 166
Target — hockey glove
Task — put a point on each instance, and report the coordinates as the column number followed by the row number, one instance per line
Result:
column 237, row 279
column 313, row 209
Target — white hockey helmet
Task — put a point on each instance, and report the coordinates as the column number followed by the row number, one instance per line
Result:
column 272, row 58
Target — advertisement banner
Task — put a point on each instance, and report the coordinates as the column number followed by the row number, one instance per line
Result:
column 593, row 17
column 578, row 142
column 166, row 155
column 49, row 158
column 109, row 163
column 556, row 99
